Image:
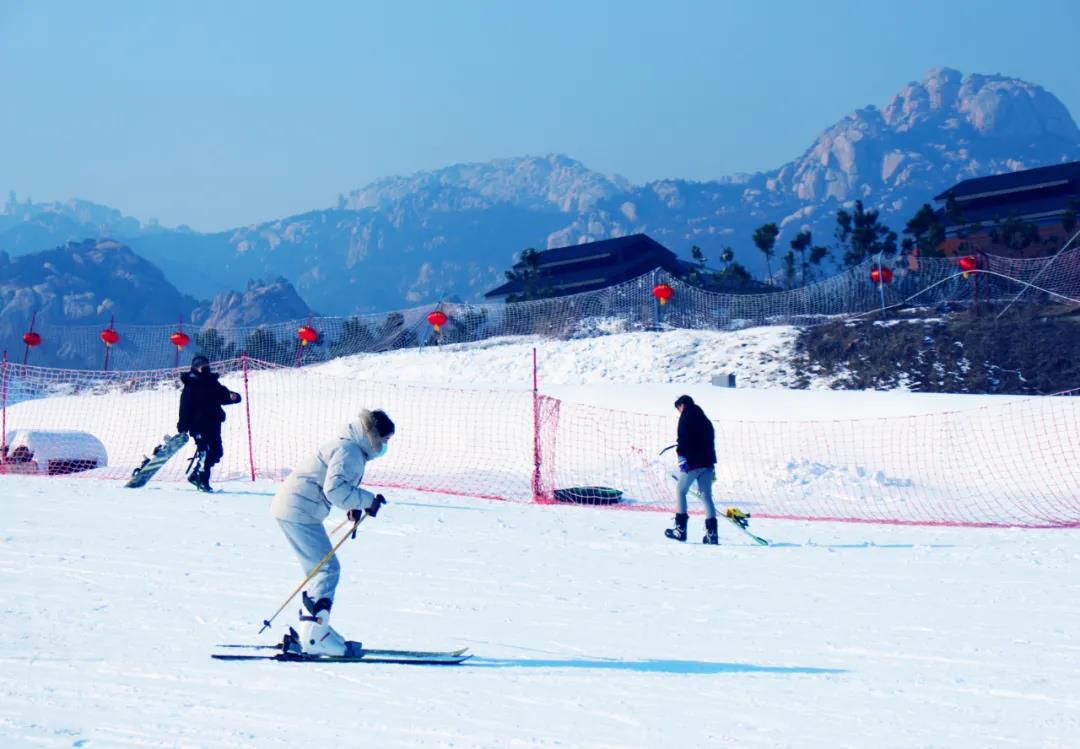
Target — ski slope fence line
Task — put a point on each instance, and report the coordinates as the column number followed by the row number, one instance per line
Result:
column 628, row 306
column 1014, row 463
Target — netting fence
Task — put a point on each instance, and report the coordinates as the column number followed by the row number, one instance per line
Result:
column 625, row 307
column 1015, row 463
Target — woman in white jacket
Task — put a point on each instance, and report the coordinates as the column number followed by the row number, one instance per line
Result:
column 329, row 478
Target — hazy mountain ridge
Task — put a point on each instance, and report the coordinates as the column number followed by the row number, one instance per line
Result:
column 408, row 240
column 85, row 283
column 92, row 282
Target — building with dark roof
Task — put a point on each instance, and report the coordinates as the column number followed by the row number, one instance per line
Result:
column 595, row 265
column 1044, row 197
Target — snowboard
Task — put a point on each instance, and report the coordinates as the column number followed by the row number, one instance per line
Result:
column 153, row 463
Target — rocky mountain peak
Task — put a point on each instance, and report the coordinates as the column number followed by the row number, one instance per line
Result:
column 536, row 182
column 260, row 303
column 939, row 130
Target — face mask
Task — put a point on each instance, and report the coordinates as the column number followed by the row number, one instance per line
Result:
column 383, row 449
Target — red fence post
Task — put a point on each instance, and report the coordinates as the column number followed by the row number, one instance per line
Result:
column 3, row 409
column 536, row 434
column 247, row 409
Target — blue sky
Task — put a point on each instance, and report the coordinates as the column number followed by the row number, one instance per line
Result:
column 217, row 114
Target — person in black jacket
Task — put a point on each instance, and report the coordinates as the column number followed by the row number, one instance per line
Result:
column 201, row 416
column 697, row 462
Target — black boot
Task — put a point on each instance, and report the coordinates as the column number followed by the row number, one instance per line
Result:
column 203, row 482
column 711, row 536
column 678, row 533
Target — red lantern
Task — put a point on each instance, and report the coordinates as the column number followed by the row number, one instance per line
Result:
column 881, row 275
column 968, row 263
column 32, row 339
column 179, row 339
column 662, row 292
column 307, row 334
column 437, row 319
column 110, row 337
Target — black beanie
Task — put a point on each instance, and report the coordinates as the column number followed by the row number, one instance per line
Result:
column 383, row 425
column 199, row 361
column 684, row 400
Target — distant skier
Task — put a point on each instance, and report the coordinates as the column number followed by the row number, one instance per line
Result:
column 697, row 462
column 201, row 416
column 329, row 477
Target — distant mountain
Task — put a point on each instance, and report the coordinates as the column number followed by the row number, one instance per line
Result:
column 85, row 283
column 82, row 283
column 406, row 241
column 90, row 283
column 260, row 303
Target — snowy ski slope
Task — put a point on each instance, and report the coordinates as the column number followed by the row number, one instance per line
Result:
column 589, row 628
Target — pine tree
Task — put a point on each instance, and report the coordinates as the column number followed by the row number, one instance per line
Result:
column 529, row 276
column 861, row 235
column 764, row 239
column 800, row 244
column 925, row 231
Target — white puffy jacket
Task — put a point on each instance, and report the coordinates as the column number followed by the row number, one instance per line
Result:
column 331, row 477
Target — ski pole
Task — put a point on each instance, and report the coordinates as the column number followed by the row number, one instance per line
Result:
column 266, row 622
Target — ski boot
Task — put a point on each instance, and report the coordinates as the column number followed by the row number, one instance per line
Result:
column 678, row 533
column 317, row 637
column 711, row 535
column 295, row 643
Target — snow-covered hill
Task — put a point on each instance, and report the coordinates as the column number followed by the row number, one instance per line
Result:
column 760, row 357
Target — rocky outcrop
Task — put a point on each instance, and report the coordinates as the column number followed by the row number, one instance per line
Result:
column 260, row 303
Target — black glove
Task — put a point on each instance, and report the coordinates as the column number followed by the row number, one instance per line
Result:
column 354, row 515
column 380, row 500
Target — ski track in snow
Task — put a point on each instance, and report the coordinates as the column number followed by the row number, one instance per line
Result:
column 589, row 628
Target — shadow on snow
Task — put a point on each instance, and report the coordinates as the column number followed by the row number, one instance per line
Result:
column 662, row 666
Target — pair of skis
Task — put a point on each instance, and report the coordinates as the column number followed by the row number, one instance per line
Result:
column 363, row 655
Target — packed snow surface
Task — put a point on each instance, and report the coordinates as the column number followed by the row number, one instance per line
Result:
column 589, row 628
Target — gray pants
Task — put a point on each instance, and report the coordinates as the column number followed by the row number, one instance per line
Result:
column 311, row 544
column 704, row 479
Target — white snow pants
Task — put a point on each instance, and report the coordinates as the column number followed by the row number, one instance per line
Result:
column 311, row 543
